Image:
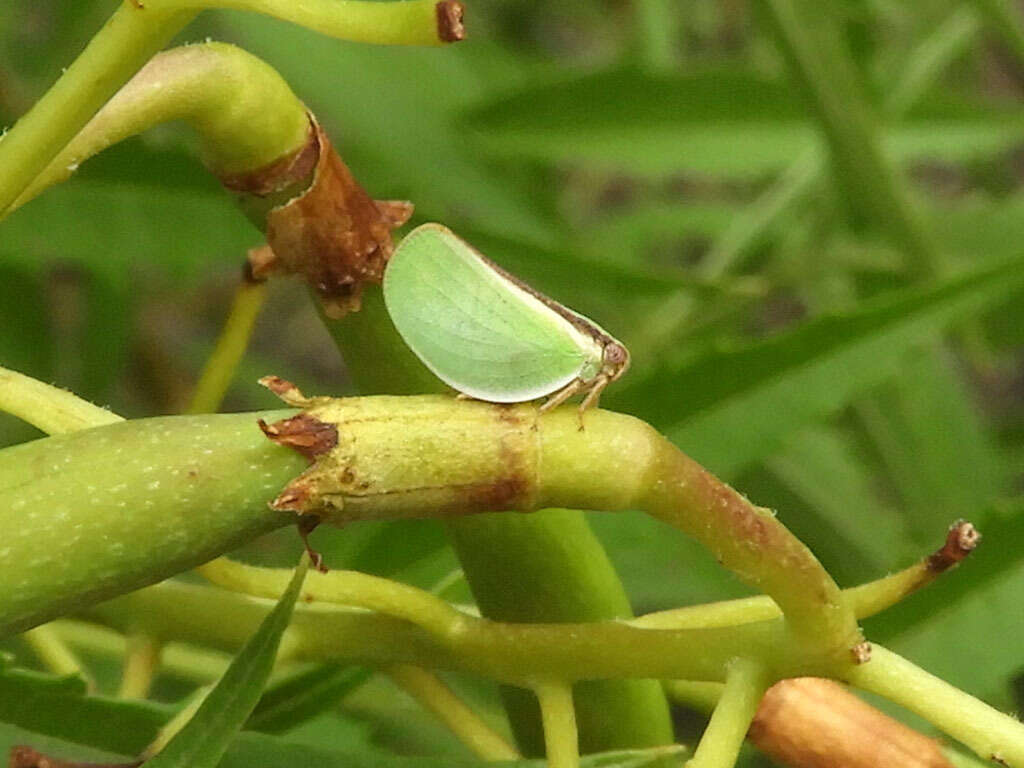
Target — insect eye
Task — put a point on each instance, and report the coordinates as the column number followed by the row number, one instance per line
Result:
column 615, row 354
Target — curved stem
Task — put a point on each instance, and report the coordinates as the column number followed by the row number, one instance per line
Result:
column 133, row 34
column 745, row 684
column 865, row 599
column 519, row 654
column 402, row 22
column 344, row 588
column 428, row 689
column 119, row 49
column 231, row 345
column 218, row 89
column 51, row 409
column 990, row 733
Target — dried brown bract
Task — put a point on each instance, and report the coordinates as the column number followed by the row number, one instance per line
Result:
column 960, row 542
column 450, row 28
column 334, row 233
column 303, row 434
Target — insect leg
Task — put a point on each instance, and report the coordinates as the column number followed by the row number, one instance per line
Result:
column 594, row 391
column 590, row 401
column 562, row 395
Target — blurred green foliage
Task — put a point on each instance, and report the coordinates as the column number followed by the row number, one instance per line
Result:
column 604, row 151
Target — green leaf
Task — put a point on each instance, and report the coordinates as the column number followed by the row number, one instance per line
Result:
column 204, row 739
column 822, row 467
column 108, row 225
column 58, row 707
column 943, row 462
column 304, row 695
column 721, row 121
column 732, row 407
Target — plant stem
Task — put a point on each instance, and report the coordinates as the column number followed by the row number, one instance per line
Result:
column 119, row 49
column 990, row 733
column 511, row 457
column 91, row 514
column 55, row 654
column 518, row 654
column 51, row 409
column 231, row 345
column 569, row 578
column 561, row 739
column 186, row 662
column 745, row 684
column 344, row 588
column 218, row 89
column 438, row 698
column 141, row 662
column 865, row 600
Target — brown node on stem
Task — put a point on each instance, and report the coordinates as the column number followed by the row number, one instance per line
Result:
column 810, row 722
column 334, row 233
column 26, row 757
column 279, row 175
column 960, row 542
column 450, row 28
column 861, row 653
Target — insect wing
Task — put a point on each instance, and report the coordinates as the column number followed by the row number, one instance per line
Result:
column 474, row 328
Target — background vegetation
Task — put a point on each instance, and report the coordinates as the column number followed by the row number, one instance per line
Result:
column 791, row 297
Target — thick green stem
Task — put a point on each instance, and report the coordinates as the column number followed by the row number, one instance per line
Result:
column 170, row 493
column 94, row 513
column 562, row 551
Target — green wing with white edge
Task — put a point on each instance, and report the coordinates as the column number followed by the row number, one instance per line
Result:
column 474, row 328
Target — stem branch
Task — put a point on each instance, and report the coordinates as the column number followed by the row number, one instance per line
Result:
column 745, row 684
column 990, row 733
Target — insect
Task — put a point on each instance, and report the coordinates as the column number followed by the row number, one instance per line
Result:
column 487, row 334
